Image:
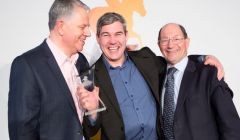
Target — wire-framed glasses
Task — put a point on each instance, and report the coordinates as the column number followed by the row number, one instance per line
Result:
column 173, row 40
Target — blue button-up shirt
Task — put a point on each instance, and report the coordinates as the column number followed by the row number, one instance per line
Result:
column 135, row 99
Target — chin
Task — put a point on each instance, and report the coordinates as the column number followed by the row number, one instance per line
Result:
column 171, row 61
column 79, row 49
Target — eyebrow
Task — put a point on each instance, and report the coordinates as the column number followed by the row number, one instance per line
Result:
column 119, row 32
column 173, row 36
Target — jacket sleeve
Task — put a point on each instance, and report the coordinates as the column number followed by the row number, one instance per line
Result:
column 91, row 127
column 23, row 103
column 225, row 112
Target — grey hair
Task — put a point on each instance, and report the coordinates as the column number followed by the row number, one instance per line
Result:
column 62, row 8
column 109, row 18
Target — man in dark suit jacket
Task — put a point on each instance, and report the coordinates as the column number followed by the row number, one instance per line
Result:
column 203, row 106
column 41, row 101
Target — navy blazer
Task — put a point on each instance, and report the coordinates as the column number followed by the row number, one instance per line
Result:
column 40, row 105
column 205, row 110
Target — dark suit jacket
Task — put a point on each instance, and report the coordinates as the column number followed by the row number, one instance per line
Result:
column 205, row 110
column 111, row 121
column 40, row 105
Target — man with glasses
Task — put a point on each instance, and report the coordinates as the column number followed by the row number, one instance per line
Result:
column 195, row 105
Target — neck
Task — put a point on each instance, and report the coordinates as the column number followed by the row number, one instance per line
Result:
column 57, row 40
column 117, row 63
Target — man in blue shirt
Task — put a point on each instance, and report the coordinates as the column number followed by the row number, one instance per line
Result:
column 128, row 84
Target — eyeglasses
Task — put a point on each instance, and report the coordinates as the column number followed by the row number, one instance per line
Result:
column 173, row 40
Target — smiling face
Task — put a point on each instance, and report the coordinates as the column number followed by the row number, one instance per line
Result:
column 74, row 30
column 112, row 40
column 172, row 43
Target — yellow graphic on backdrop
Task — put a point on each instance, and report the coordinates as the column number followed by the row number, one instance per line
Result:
column 123, row 7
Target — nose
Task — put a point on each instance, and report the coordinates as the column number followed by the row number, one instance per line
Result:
column 170, row 43
column 112, row 40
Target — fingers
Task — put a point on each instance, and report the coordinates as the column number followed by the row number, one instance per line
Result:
column 96, row 91
column 80, row 90
column 88, row 100
column 220, row 73
column 85, row 104
column 212, row 60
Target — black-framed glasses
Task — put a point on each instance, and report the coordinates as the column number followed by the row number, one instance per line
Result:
column 173, row 40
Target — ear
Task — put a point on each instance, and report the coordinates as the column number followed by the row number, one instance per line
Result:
column 126, row 34
column 98, row 39
column 187, row 41
column 60, row 27
column 158, row 43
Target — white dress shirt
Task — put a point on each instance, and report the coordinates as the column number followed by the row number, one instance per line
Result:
column 181, row 66
column 69, row 71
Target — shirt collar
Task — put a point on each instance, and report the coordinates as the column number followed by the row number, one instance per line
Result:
column 111, row 67
column 58, row 54
column 180, row 66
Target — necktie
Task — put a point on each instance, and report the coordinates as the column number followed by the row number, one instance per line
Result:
column 168, row 110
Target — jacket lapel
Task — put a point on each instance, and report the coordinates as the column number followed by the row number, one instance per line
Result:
column 82, row 64
column 104, row 81
column 162, row 79
column 184, row 88
column 59, row 76
column 150, row 74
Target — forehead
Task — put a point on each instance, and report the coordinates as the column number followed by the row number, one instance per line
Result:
column 171, row 30
column 112, row 28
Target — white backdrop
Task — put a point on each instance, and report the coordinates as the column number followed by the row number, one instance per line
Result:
column 213, row 27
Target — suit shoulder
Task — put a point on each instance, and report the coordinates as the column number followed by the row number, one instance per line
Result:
column 147, row 50
column 206, row 72
column 143, row 52
column 206, row 68
column 34, row 52
column 30, row 55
